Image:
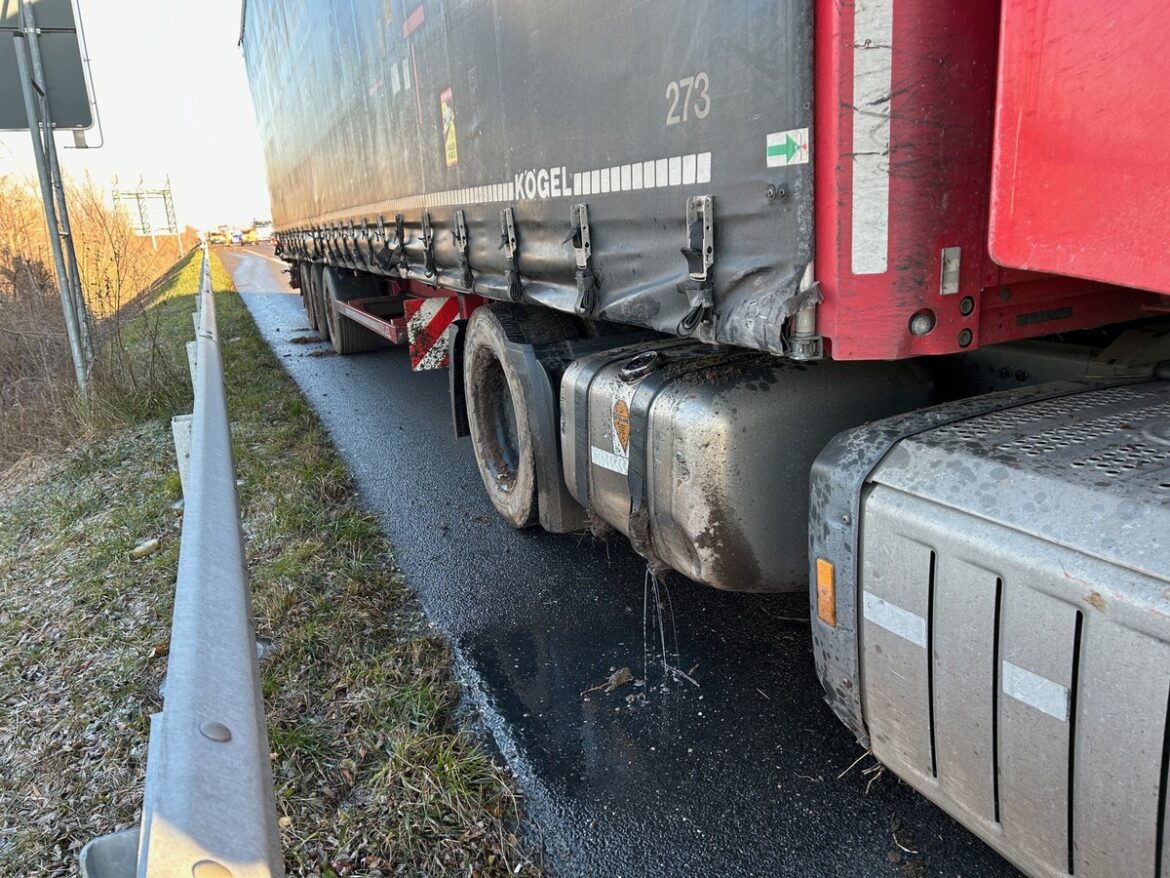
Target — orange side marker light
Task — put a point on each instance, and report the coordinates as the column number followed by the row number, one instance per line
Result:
column 826, row 592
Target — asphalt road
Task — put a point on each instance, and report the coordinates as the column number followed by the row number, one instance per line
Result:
column 741, row 770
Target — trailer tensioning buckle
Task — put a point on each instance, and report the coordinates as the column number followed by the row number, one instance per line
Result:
column 459, row 236
column 583, row 253
column 428, row 238
column 400, row 244
column 510, row 244
column 700, row 255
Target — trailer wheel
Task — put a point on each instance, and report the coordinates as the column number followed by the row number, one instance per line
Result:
column 349, row 337
column 307, row 293
column 497, row 410
column 320, row 315
column 314, row 271
column 306, row 276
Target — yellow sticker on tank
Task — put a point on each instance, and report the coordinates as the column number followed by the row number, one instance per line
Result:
column 621, row 425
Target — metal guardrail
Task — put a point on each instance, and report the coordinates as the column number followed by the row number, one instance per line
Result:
column 209, row 809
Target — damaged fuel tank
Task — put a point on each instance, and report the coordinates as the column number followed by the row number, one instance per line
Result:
column 701, row 455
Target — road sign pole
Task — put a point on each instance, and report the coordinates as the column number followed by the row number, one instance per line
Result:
column 58, row 186
column 70, row 252
column 68, row 303
column 169, row 207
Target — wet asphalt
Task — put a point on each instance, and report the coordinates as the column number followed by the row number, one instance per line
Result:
column 736, row 768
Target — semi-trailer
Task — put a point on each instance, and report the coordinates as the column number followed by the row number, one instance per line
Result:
column 860, row 299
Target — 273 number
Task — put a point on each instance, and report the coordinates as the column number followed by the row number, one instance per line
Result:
column 688, row 97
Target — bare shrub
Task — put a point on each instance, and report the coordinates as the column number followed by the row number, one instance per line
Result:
column 39, row 407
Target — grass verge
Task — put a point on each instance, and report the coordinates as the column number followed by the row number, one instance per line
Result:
column 373, row 777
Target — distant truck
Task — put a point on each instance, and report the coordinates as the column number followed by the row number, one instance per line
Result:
column 262, row 233
column 865, row 299
column 217, row 237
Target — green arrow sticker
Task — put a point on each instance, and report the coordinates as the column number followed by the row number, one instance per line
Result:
column 787, row 148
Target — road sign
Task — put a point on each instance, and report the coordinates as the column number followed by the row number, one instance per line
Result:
column 151, row 211
column 70, row 101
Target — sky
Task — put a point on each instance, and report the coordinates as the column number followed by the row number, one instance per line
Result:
column 173, row 99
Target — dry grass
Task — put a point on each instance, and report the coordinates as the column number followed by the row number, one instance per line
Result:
column 373, row 776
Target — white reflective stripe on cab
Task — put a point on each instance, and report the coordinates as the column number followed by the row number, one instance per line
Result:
column 907, row 625
column 873, row 34
column 1026, row 687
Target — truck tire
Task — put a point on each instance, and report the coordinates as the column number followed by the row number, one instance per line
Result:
column 314, row 272
column 317, row 296
column 307, row 293
column 306, row 275
column 497, row 410
column 349, row 337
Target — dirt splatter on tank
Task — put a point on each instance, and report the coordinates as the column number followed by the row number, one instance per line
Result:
column 701, row 455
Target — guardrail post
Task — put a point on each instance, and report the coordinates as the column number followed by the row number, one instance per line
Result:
column 181, row 432
column 192, row 357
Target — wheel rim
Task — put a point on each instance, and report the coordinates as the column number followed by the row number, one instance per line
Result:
column 499, row 426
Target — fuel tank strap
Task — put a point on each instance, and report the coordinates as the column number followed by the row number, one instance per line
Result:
column 581, row 442
column 640, row 404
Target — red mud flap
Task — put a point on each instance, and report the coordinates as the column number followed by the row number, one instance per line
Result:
column 428, row 328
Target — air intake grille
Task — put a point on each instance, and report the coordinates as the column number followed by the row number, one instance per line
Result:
column 1081, row 432
column 1067, row 410
column 1122, row 458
